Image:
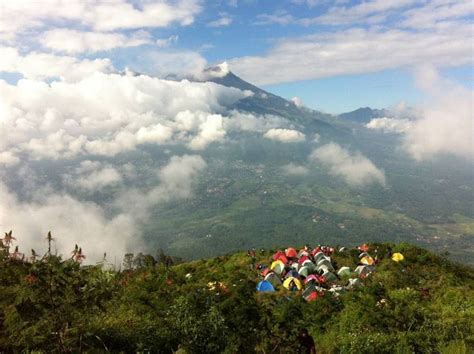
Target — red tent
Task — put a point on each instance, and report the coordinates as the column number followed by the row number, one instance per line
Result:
column 363, row 248
column 302, row 259
column 265, row 272
column 277, row 255
column 312, row 296
column 291, row 252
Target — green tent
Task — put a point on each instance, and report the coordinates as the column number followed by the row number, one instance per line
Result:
column 344, row 272
column 327, row 263
column 330, row 277
column 309, row 264
column 304, row 271
column 273, row 279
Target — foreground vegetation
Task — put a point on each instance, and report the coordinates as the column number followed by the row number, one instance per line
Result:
column 48, row 303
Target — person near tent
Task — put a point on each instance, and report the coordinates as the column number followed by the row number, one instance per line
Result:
column 306, row 342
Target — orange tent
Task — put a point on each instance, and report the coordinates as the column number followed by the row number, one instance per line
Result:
column 367, row 260
column 291, row 252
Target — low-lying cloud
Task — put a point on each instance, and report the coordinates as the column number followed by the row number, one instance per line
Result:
column 389, row 125
column 115, row 229
column 356, row 169
column 107, row 114
column 285, row 135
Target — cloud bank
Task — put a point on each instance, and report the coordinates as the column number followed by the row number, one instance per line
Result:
column 443, row 124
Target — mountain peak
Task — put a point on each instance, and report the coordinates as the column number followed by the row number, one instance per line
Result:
column 217, row 71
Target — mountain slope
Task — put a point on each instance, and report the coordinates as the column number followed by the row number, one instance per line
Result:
column 264, row 102
column 212, row 306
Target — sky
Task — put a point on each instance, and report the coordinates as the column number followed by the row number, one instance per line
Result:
column 334, row 55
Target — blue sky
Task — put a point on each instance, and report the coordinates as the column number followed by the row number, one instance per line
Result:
column 335, row 55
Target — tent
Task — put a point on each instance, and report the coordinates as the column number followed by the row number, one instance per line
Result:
column 308, row 290
column 302, row 259
column 330, row 277
column 291, row 253
column 367, row 260
column 277, row 266
column 344, row 271
column 397, row 257
column 363, row 248
column 311, row 278
column 304, row 271
column 323, row 268
column 326, row 263
column 302, row 253
column 288, row 281
column 273, row 279
column 292, row 273
column 362, row 270
column 309, row 264
column 277, row 255
column 265, row 286
column 295, row 266
column 353, row 283
column 318, row 256
column 265, row 272
column 337, row 290
column 313, row 296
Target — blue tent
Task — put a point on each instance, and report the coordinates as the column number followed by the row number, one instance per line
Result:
column 265, row 286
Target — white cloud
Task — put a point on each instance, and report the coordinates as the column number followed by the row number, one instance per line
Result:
column 356, row 169
column 73, row 41
column 42, row 66
column 95, row 228
column 446, row 121
column 211, row 129
column 292, row 169
column 285, row 135
column 21, row 16
column 372, row 11
column 224, row 20
column 356, row 51
column 247, row 122
column 177, row 179
column 8, row 158
column 280, row 17
column 71, row 221
column 166, row 42
column 106, row 114
column 437, row 12
column 297, row 101
column 389, row 125
column 93, row 176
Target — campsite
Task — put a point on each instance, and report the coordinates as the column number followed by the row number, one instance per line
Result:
column 375, row 298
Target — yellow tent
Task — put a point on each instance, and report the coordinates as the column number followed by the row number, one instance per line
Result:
column 367, row 260
column 397, row 257
column 277, row 266
column 288, row 281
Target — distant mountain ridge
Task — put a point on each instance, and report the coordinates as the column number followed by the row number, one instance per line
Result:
column 364, row 115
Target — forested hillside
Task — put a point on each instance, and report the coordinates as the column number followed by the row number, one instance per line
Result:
column 153, row 303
